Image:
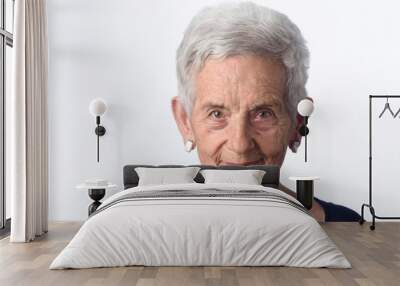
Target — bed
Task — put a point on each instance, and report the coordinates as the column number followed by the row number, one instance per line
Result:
column 201, row 224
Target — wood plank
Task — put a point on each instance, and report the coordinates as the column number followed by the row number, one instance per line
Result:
column 374, row 255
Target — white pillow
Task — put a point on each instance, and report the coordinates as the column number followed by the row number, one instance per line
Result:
column 162, row 176
column 249, row 177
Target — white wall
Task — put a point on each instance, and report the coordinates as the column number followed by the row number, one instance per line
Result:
column 124, row 52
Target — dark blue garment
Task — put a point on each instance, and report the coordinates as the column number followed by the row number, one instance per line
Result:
column 335, row 212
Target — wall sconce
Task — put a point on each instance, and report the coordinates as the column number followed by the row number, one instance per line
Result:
column 305, row 109
column 97, row 108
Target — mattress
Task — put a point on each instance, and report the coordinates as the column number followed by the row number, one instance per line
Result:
column 201, row 225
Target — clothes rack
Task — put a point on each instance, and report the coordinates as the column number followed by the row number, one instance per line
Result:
column 369, row 205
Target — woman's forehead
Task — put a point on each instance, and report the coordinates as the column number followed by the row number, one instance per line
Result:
column 241, row 80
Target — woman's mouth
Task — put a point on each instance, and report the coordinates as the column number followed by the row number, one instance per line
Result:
column 247, row 163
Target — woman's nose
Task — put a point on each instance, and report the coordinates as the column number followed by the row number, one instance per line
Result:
column 240, row 140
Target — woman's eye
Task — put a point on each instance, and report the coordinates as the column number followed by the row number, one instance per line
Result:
column 264, row 114
column 216, row 114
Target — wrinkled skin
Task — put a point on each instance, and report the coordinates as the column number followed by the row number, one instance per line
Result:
column 239, row 115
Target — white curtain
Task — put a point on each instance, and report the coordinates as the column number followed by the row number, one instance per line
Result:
column 28, row 158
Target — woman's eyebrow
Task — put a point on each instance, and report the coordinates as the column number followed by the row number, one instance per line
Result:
column 211, row 105
column 255, row 106
column 266, row 104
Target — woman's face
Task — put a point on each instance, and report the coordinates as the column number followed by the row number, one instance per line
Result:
column 239, row 116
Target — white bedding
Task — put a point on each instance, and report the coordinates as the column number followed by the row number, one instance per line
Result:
column 200, row 231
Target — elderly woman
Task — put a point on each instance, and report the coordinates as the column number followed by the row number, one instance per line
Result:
column 242, row 69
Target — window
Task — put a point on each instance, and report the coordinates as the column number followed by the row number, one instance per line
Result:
column 6, row 44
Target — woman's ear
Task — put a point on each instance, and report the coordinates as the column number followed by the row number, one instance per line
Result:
column 182, row 119
column 295, row 139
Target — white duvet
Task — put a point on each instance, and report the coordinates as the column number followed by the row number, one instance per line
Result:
column 200, row 231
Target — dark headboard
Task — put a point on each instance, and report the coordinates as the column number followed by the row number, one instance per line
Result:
column 270, row 179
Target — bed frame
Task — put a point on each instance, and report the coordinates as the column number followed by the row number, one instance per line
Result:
column 270, row 179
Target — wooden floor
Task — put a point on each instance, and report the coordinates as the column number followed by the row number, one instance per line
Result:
column 374, row 255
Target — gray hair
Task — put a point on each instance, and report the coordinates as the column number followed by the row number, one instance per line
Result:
column 242, row 28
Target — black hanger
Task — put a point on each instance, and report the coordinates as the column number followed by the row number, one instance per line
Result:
column 387, row 106
column 398, row 111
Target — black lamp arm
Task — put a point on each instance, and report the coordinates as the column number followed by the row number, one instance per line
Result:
column 304, row 132
column 100, row 131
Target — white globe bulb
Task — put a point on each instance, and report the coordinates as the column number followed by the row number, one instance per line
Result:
column 305, row 107
column 97, row 107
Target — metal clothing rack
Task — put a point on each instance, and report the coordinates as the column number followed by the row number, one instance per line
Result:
column 369, row 205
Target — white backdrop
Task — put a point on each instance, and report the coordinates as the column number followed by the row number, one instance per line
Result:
column 124, row 52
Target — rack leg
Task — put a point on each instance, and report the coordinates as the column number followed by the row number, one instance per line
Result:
column 362, row 220
column 372, row 210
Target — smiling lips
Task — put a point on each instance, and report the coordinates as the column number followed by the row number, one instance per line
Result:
column 258, row 162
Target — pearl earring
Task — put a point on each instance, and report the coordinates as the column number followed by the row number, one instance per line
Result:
column 295, row 146
column 188, row 146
